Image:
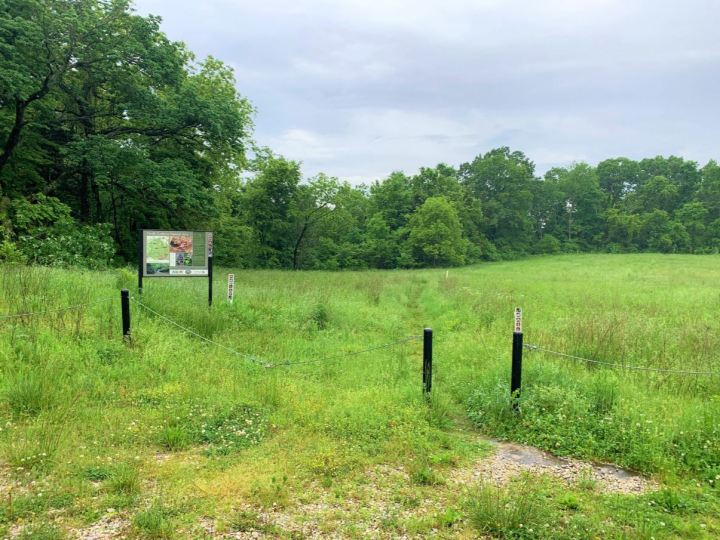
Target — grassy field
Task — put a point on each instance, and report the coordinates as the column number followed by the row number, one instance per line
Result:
column 169, row 436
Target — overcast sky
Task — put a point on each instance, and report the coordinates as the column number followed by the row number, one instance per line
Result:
column 359, row 88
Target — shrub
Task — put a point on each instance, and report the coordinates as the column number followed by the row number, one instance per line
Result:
column 319, row 317
column 45, row 233
column 10, row 253
column 548, row 244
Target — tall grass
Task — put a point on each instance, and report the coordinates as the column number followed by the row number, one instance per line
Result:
column 73, row 391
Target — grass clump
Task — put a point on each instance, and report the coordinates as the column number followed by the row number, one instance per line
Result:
column 96, row 473
column 274, row 493
column 37, row 448
column 246, row 521
column 422, row 473
column 519, row 510
column 29, row 392
column 174, row 438
column 41, row 532
column 319, row 317
column 123, row 479
column 154, row 523
column 249, row 521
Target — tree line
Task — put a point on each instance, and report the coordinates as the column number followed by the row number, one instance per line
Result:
column 107, row 126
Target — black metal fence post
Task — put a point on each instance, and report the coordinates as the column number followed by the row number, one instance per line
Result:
column 125, row 306
column 517, row 350
column 427, row 360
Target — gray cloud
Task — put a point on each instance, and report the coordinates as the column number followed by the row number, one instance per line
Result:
column 358, row 89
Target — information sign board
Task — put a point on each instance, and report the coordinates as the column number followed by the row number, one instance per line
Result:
column 176, row 253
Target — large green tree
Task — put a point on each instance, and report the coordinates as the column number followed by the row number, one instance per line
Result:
column 502, row 180
column 617, row 177
column 39, row 40
column 434, row 235
column 101, row 110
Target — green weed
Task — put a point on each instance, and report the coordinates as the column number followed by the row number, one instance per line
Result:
column 272, row 494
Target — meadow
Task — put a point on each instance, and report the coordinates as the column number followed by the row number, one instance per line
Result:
column 169, row 436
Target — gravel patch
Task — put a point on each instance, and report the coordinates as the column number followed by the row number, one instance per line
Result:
column 322, row 515
column 109, row 527
column 318, row 513
column 510, row 460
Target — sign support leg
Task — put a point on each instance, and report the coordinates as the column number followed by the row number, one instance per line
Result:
column 140, row 261
column 210, row 280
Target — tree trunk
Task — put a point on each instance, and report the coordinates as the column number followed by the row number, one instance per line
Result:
column 21, row 106
column 99, row 217
column 86, row 178
column 298, row 243
column 13, row 138
column 114, row 211
column 83, row 190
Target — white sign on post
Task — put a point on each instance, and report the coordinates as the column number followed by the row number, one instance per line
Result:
column 518, row 320
column 231, row 287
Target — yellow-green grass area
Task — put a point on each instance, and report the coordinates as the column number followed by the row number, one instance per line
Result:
column 169, row 436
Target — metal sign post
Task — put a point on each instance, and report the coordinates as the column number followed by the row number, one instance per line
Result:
column 516, row 370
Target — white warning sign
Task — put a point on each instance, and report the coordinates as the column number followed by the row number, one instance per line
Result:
column 231, row 287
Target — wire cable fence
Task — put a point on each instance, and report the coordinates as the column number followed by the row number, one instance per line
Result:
column 342, row 356
column 538, row 348
column 270, row 364
column 28, row 314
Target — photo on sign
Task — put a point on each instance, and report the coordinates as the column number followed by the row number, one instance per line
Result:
column 158, row 259
column 182, row 259
column 158, row 268
column 181, row 244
